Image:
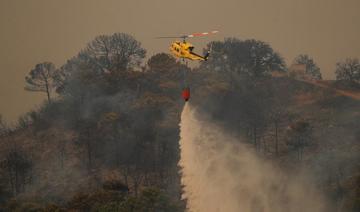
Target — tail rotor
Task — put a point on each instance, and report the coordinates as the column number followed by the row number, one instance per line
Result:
column 207, row 54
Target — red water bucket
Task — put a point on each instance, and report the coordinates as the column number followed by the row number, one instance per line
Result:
column 186, row 94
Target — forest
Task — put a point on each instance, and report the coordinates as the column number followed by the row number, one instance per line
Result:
column 107, row 136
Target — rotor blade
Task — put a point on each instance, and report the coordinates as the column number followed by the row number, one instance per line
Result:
column 202, row 34
column 169, row 37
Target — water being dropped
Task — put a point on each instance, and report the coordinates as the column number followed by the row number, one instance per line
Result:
column 222, row 174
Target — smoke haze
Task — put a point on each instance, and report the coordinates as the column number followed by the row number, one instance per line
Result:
column 54, row 31
column 219, row 173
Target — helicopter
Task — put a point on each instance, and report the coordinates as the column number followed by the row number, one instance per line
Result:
column 184, row 50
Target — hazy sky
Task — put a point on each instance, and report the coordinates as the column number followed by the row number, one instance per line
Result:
column 34, row 31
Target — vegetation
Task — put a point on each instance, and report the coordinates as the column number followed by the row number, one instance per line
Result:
column 41, row 78
column 109, row 140
column 348, row 70
column 311, row 69
column 248, row 58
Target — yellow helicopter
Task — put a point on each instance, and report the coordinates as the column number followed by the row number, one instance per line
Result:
column 184, row 49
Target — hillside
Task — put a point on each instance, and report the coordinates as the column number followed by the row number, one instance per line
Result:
column 59, row 169
column 109, row 139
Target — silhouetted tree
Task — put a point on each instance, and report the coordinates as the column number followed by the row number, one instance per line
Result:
column 117, row 52
column 311, row 69
column 107, row 64
column 41, row 78
column 348, row 70
column 249, row 58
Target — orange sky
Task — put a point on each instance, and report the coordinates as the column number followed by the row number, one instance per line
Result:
column 34, row 31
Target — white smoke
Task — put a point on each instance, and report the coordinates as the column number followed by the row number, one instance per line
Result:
column 219, row 173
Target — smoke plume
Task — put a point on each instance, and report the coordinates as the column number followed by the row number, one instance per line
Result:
column 220, row 173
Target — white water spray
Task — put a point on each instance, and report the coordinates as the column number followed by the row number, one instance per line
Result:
column 221, row 174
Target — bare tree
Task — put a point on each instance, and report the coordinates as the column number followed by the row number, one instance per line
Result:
column 41, row 79
column 117, row 52
column 348, row 70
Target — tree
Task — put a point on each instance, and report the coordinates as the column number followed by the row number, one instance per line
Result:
column 117, row 52
column 311, row 69
column 277, row 115
column 300, row 135
column 255, row 107
column 161, row 62
column 104, row 65
column 76, row 78
column 18, row 167
column 41, row 78
column 348, row 70
column 250, row 58
column 165, row 73
column 86, row 139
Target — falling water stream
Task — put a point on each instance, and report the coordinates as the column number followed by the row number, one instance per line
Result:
column 220, row 173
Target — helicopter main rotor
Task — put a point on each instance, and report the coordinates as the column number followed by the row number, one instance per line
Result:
column 183, row 37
